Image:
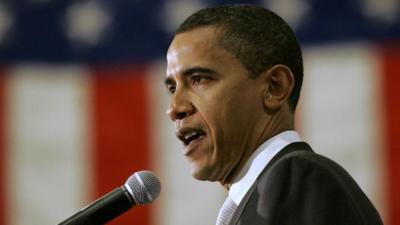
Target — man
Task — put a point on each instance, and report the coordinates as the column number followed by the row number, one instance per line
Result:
column 234, row 74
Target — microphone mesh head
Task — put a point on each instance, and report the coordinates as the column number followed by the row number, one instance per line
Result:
column 145, row 186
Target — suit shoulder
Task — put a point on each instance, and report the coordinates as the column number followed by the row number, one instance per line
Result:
column 319, row 180
column 307, row 163
column 311, row 159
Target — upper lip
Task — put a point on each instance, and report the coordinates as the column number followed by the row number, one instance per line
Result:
column 185, row 133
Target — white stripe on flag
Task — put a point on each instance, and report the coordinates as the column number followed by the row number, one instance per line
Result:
column 183, row 199
column 47, row 120
column 340, row 116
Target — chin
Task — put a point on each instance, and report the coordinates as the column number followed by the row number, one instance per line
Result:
column 203, row 173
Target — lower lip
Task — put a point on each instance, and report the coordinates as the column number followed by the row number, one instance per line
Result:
column 190, row 148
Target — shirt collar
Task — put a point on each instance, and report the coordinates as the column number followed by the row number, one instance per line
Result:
column 258, row 161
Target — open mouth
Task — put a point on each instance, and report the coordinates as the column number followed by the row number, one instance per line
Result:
column 189, row 135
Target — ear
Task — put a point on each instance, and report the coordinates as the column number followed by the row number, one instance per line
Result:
column 279, row 83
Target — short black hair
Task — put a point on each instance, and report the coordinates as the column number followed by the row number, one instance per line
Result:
column 258, row 37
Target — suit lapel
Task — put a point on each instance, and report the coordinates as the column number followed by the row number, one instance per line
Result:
column 296, row 146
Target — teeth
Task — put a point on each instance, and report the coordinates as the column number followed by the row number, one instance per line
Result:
column 191, row 134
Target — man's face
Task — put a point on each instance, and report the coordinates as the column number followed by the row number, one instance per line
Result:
column 216, row 108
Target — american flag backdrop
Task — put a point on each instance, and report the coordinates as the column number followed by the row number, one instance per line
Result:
column 82, row 103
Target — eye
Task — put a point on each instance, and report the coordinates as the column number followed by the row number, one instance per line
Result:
column 197, row 79
column 171, row 88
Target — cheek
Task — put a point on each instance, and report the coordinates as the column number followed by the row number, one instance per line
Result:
column 223, row 109
column 235, row 117
column 229, row 112
column 221, row 119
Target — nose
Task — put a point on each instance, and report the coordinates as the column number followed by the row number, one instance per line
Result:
column 180, row 107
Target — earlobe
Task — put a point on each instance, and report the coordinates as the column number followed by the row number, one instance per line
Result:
column 279, row 81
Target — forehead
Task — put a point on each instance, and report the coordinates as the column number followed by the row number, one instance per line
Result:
column 201, row 41
column 197, row 47
column 203, row 36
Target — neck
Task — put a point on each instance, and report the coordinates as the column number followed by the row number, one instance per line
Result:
column 275, row 124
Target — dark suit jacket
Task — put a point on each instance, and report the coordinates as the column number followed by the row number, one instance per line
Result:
column 300, row 187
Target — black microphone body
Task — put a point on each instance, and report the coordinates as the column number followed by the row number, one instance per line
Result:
column 141, row 188
column 103, row 209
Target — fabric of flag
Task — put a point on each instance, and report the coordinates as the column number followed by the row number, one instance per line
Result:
column 82, row 103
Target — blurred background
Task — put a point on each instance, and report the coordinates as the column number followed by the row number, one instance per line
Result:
column 82, row 103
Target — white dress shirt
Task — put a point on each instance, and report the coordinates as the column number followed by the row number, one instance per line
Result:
column 258, row 161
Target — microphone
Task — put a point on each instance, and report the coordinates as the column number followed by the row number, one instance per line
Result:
column 141, row 188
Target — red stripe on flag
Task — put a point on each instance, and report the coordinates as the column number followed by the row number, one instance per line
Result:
column 391, row 64
column 121, row 129
column 3, row 195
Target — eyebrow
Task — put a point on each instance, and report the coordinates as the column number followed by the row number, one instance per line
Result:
column 169, row 81
column 189, row 72
column 198, row 69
